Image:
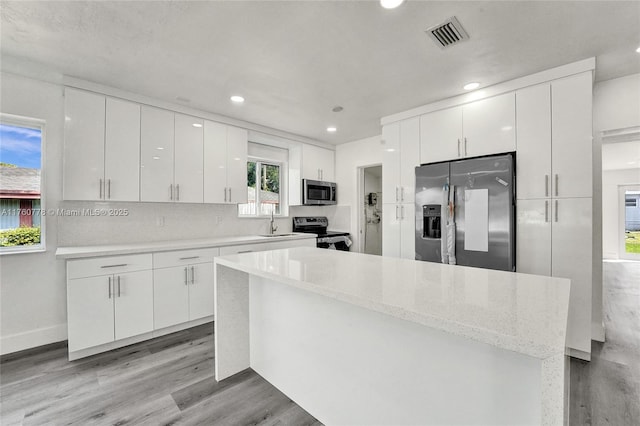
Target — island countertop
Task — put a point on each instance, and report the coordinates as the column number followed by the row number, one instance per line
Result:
column 518, row 312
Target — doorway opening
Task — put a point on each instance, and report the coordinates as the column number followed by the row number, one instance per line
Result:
column 370, row 209
column 629, row 222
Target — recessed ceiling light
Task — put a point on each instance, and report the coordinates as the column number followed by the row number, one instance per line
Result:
column 391, row 4
column 237, row 99
column 337, row 108
column 160, row 148
column 332, row 129
column 638, row 50
column 197, row 125
column 471, row 86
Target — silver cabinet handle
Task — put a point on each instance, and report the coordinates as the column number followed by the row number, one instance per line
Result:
column 109, row 188
column 556, row 210
column 465, row 147
column 177, row 192
column 114, row 266
column 189, row 257
column 401, row 212
column 225, row 195
column 402, row 193
column 556, row 184
column 546, row 211
column 171, row 192
column 193, row 275
column 109, row 287
column 229, row 194
column 396, row 212
column 245, row 251
column 100, row 189
column 546, row 185
column 397, row 194
column 186, row 275
column 118, row 285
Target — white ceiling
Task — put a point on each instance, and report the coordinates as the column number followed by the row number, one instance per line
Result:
column 294, row 61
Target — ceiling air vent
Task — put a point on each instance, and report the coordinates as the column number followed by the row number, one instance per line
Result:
column 448, row 34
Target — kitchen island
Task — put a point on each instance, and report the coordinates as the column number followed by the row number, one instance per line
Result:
column 362, row 339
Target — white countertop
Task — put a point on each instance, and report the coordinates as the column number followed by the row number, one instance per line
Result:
column 518, row 312
column 78, row 252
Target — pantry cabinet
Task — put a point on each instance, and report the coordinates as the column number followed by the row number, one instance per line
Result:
column 101, row 148
column 318, row 163
column 225, row 164
column 475, row 129
column 401, row 149
column 108, row 299
column 183, row 286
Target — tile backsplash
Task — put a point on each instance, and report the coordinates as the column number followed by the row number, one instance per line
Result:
column 117, row 222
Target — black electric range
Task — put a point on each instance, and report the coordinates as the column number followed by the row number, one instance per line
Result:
column 326, row 239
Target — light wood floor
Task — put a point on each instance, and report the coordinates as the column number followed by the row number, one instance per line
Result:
column 169, row 380
column 166, row 381
column 606, row 391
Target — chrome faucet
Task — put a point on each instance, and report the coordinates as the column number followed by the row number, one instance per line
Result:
column 272, row 226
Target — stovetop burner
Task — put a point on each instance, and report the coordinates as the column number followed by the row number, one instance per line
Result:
column 315, row 225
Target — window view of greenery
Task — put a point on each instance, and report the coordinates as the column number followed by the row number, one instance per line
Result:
column 263, row 189
column 20, row 163
column 632, row 222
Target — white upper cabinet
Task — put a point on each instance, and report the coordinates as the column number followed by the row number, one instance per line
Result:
column 391, row 163
column 318, row 163
column 188, row 161
column 84, row 145
column 440, row 135
column 409, row 158
column 156, row 155
column 479, row 128
column 225, row 164
column 489, row 126
column 122, row 151
column 571, row 133
column 533, row 106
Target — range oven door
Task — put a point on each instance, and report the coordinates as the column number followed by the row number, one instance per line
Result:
column 318, row 193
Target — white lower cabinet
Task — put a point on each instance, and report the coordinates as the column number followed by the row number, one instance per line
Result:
column 555, row 239
column 107, row 301
column 398, row 230
column 183, row 286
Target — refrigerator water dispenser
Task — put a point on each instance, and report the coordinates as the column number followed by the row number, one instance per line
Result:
column 431, row 221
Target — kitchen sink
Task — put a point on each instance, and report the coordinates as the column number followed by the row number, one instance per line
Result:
column 275, row 235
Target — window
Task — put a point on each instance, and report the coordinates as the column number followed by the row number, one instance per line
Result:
column 21, row 209
column 263, row 189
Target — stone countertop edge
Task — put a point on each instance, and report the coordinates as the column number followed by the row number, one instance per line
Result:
column 79, row 252
column 526, row 347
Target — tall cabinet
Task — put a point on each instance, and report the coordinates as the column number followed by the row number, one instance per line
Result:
column 400, row 157
column 554, row 224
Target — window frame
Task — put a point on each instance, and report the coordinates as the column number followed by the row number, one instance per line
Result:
column 31, row 123
column 283, row 207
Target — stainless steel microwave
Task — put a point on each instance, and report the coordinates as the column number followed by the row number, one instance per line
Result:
column 318, row 193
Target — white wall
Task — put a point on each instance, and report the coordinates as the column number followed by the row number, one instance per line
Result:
column 611, row 180
column 350, row 156
column 616, row 103
column 33, row 289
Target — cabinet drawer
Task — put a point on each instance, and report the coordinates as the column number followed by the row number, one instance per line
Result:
column 242, row 248
column 107, row 265
column 168, row 259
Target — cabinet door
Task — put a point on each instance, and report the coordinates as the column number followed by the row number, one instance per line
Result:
column 89, row 312
column 533, row 106
column 122, row 151
column 317, row 163
column 571, row 135
column 170, row 296
column 156, row 154
column 188, row 163
column 391, row 230
column 409, row 158
column 200, row 290
column 215, row 163
column 237, row 140
column 533, row 233
column 489, row 126
column 572, row 258
column 391, row 163
column 408, row 231
column 83, row 145
column 441, row 135
column 133, row 303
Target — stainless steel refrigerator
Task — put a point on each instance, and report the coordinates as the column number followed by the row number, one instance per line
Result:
column 465, row 212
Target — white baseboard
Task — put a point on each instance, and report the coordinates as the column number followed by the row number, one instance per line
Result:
column 597, row 332
column 33, row 338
